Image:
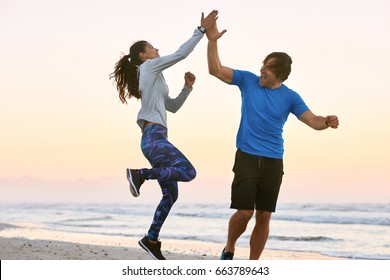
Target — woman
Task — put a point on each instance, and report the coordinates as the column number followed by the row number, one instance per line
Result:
column 139, row 75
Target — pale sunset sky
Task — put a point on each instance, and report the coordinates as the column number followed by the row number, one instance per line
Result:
column 65, row 137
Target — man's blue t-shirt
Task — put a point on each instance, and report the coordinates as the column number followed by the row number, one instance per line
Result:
column 264, row 112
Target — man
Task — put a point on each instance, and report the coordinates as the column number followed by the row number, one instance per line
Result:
column 258, row 167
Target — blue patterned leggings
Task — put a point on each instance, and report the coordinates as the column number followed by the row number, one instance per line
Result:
column 169, row 166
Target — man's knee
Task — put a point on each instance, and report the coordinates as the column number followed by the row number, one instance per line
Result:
column 263, row 217
column 245, row 214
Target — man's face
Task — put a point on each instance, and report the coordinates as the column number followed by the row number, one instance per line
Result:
column 267, row 76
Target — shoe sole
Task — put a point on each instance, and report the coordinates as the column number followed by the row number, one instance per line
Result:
column 132, row 187
column 147, row 250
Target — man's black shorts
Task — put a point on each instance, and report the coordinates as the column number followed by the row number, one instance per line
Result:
column 256, row 182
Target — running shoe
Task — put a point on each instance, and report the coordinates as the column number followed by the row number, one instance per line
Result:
column 136, row 180
column 226, row 255
column 153, row 249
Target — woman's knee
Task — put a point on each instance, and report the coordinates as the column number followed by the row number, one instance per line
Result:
column 170, row 191
column 174, row 196
column 173, row 192
column 192, row 174
column 188, row 174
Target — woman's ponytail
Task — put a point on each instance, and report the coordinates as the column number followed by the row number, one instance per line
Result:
column 126, row 73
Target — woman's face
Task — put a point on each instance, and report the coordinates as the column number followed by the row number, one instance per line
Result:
column 149, row 53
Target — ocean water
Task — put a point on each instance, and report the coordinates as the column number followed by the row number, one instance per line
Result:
column 356, row 231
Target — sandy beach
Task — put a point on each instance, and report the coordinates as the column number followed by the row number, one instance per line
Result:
column 23, row 241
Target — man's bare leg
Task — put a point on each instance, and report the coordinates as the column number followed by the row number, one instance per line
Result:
column 237, row 226
column 260, row 234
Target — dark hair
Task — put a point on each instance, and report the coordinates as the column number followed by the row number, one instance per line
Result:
column 282, row 65
column 125, row 73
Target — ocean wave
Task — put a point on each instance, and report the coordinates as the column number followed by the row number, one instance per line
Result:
column 339, row 219
column 342, row 207
column 203, row 215
column 82, row 225
column 302, row 238
column 364, row 214
column 103, row 218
